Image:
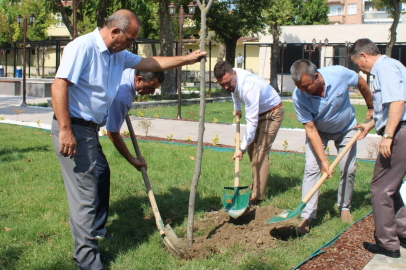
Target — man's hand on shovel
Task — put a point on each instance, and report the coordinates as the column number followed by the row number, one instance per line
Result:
column 239, row 154
column 325, row 169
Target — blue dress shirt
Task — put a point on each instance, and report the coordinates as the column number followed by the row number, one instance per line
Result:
column 95, row 74
column 332, row 113
column 123, row 101
column 389, row 86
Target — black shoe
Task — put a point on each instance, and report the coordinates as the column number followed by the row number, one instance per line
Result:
column 376, row 249
column 402, row 242
column 106, row 258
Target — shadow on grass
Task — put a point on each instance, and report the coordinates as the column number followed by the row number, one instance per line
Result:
column 134, row 227
column 277, row 184
column 10, row 257
column 10, row 154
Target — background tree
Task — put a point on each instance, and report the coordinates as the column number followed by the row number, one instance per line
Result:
column 234, row 19
column 393, row 9
column 309, row 12
column 276, row 14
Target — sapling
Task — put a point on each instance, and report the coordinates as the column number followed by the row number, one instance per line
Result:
column 169, row 136
column 146, row 125
column 216, row 140
column 18, row 111
column 285, row 145
column 188, row 139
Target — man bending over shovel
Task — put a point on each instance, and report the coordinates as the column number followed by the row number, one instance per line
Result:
column 263, row 113
column 322, row 104
column 132, row 82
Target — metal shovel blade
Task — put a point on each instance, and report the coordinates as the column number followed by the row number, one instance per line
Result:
column 173, row 243
column 288, row 214
column 236, row 203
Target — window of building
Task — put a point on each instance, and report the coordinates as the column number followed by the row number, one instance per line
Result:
column 335, row 10
column 59, row 22
column 352, row 9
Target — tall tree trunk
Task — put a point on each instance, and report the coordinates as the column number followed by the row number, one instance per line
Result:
column 65, row 17
column 274, row 58
column 393, row 28
column 199, row 154
column 101, row 13
column 231, row 44
column 166, row 38
column 221, row 52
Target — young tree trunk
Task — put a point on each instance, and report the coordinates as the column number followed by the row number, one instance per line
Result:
column 393, row 28
column 274, row 58
column 199, row 153
column 167, row 40
column 231, row 44
column 154, row 52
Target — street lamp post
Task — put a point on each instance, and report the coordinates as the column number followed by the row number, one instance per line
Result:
column 347, row 46
column 24, row 21
column 283, row 45
column 181, row 16
column 325, row 44
column 312, row 48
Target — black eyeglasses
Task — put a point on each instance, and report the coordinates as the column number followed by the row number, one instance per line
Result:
column 130, row 40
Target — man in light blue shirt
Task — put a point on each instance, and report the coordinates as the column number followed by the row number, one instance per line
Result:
column 240, row 60
column 322, row 104
column 84, row 88
column 132, row 82
column 390, row 122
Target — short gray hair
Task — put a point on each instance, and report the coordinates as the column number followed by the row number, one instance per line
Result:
column 301, row 67
column 364, row 45
column 122, row 19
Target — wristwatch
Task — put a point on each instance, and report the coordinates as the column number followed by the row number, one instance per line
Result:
column 243, row 151
column 386, row 136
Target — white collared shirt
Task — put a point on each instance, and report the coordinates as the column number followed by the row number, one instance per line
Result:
column 95, row 74
column 257, row 96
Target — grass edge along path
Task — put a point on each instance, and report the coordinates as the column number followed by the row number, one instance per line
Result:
column 222, row 113
column 34, row 223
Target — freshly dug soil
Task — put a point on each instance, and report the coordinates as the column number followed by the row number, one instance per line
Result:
column 348, row 251
column 217, row 231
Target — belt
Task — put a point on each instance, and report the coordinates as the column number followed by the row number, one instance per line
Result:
column 82, row 122
column 271, row 110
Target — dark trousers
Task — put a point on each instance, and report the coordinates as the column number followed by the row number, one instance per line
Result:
column 387, row 205
column 103, row 192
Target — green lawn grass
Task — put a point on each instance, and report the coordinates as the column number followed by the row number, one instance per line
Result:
column 33, row 205
column 223, row 112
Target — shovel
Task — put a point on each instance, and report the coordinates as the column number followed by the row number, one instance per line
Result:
column 236, row 202
column 288, row 214
column 168, row 236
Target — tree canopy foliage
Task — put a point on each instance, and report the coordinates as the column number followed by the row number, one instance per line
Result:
column 10, row 31
column 309, row 12
column 234, row 19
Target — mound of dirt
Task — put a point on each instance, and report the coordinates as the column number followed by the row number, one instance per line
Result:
column 217, row 231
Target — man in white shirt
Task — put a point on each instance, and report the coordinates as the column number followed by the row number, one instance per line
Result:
column 264, row 114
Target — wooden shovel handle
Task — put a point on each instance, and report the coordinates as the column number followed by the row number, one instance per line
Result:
column 147, row 183
column 332, row 166
column 237, row 160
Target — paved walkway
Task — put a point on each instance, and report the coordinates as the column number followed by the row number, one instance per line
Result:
column 180, row 129
column 9, row 106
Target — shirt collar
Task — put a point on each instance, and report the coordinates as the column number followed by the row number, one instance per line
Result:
column 99, row 40
column 376, row 64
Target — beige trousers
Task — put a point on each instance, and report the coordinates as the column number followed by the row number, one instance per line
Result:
column 258, row 150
